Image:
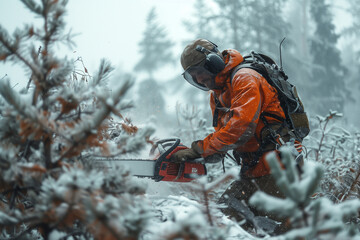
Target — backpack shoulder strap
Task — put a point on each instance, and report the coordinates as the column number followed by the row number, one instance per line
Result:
column 254, row 66
column 237, row 68
column 267, row 114
column 216, row 110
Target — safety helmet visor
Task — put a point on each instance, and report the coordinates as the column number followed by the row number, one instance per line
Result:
column 192, row 74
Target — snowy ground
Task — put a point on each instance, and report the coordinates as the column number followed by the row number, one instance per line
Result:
column 174, row 202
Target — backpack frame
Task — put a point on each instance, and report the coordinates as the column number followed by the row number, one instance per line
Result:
column 296, row 118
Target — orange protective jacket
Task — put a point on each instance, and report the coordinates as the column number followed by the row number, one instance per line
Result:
column 245, row 98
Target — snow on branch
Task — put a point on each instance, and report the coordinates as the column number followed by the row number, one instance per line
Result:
column 47, row 186
column 102, row 74
column 312, row 219
column 13, row 99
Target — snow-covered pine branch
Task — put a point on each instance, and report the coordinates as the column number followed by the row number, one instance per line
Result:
column 48, row 184
column 313, row 219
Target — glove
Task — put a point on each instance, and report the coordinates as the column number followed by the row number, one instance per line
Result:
column 217, row 157
column 186, row 154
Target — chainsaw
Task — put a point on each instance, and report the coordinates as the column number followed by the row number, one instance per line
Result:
column 161, row 168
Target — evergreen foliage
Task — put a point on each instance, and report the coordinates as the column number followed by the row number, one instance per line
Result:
column 295, row 49
column 155, row 43
column 310, row 219
column 202, row 25
column 266, row 32
column 50, row 134
column 328, row 73
column 354, row 8
column 252, row 25
column 231, row 16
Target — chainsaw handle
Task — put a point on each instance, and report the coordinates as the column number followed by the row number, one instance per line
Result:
column 163, row 156
column 170, row 149
column 181, row 170
column 162, row 147
column 166, row 170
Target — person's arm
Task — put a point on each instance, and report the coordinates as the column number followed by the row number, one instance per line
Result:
column 246, row 108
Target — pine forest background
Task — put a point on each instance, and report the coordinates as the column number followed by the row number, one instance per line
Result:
column 59, row 114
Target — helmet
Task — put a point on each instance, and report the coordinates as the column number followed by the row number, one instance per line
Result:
column 202, row 57
column 202, row 51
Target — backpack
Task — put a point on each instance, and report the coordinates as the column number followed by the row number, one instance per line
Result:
column 296, row 118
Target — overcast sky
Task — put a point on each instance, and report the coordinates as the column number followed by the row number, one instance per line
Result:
column 112, row 29
column 108, row 29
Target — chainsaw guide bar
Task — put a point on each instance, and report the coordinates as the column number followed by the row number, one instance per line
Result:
column 161, row 168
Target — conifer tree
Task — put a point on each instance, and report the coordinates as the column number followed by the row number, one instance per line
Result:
column 299, row 21
column 50, row 135
column 296, row 57
column 252, row 25
column 230, row 20
column 328, row 74
column 267, row 25
column 201, row 25
column 155, row 47
column 351, row 58
column 156, row 51
column 354, row 8
column 351, row 54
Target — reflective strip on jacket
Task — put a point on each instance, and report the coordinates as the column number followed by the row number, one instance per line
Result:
column 244, row 99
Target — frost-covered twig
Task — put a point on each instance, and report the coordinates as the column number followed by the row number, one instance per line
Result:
column 84, row 129
column 355, row 182
column 331, row 115
column 45, row 133
column 336, row 149
column 191, row 128
column 310, row 218
column 13, row 49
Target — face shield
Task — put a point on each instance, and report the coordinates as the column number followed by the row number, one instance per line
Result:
column 200, row 77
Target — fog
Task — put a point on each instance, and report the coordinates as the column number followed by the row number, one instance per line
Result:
column 70, row 126
column 113, row 30
column 108, row 29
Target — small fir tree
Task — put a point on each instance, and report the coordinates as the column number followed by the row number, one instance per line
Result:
column 310, row 219
column 50, row 133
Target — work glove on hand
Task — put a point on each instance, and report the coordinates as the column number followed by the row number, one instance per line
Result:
column 186, row 154
column 215, row 158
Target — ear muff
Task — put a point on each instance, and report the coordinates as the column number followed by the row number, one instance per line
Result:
column 213, row 62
